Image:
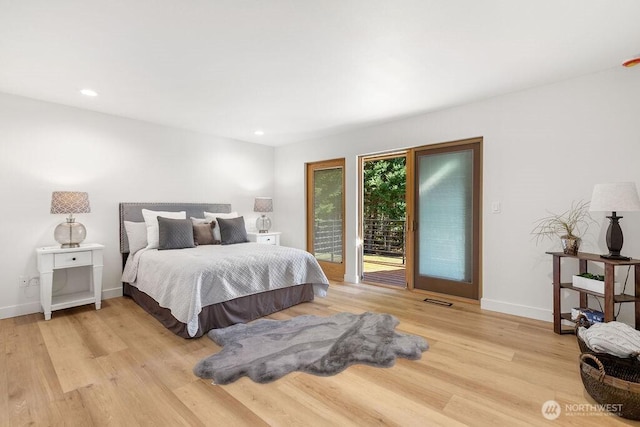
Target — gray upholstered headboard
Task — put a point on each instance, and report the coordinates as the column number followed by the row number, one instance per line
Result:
column 133, row 212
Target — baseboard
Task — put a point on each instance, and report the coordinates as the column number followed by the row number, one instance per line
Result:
column 516, row 309
column 34, row 306
column 20, row 310
column 112, row 293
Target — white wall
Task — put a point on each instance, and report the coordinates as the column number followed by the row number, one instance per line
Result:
column 543, row 149
column 46, row 147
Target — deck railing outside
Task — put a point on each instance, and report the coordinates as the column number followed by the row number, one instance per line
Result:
column 381, row 237
column 327, row 242
column 384, row 237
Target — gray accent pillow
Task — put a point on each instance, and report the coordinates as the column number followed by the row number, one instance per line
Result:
column 203, row 233
column 175, row 233
column 232, row 230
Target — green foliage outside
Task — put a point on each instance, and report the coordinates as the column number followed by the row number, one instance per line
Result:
column 384, row 189
column 328, row 194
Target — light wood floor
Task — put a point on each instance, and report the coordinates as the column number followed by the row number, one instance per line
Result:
column 118, row 366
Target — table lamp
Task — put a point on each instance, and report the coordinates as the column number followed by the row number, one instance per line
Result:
column 70, row 233
column 263, row 204
column 615, row 197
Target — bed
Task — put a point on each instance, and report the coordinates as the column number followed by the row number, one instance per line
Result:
column 195, row 289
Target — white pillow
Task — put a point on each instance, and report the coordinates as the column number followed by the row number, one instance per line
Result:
column 212, row 217
column 136, row 235
column 616, row 338
column 151, row 220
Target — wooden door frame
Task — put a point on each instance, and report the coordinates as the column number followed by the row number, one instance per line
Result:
column 411, row 210
column 411, row 222
column 333, row 270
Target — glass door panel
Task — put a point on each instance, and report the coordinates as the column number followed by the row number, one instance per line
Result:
column 325, row 215
column 448, row 211
column 446, row 205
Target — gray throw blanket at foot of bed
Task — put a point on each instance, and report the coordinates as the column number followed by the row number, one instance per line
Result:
column 266, row 350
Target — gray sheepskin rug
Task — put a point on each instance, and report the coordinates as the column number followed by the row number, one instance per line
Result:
column 266, row 350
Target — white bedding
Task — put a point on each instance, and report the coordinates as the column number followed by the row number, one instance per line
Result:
column 185, row 280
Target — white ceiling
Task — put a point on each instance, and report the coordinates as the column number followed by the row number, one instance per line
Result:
column 300, row 69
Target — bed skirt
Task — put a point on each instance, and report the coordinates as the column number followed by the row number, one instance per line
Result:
column 221, row 315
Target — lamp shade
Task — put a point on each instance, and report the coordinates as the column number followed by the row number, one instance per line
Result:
column 70, row 233
column 615, row 197
column 70, row 202
column 263, row 204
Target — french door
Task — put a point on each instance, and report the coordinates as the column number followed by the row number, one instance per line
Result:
column 446, row 225
column 325, row 215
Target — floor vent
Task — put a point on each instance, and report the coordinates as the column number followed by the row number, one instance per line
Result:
column 438, row 302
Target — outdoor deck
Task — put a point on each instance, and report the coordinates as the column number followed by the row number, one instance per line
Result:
column 384, row 270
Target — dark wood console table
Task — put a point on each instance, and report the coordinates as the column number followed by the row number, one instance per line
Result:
column 609, row 298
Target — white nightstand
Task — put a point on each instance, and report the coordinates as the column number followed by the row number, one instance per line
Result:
column 269, row 238
column 56, row 258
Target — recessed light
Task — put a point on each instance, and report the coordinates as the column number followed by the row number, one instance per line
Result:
column 631, row 62
column 89, row 92
column 259, row 132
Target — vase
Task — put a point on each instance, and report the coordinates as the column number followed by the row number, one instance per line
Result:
column 570, row 244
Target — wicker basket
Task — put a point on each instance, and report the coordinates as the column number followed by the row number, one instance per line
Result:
column 609, row 379
column 612, row 380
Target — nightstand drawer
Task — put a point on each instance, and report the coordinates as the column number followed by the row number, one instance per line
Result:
column 267, row 240
column 270, row 238
column 71, row 259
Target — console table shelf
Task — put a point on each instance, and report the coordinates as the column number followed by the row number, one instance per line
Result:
column 610, row 299
column 616, row 298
